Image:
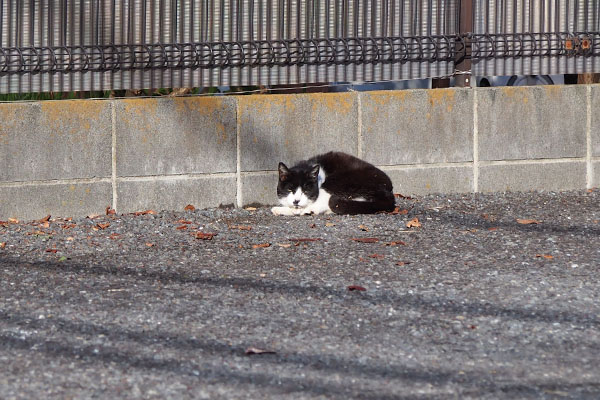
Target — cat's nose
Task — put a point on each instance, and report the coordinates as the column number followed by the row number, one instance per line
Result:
column 296, row 202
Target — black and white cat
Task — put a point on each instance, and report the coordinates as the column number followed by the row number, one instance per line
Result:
column 334, row 182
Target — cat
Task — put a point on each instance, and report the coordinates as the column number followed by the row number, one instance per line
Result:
column 333, row 182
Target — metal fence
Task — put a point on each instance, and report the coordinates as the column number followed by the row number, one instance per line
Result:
column 73, row 45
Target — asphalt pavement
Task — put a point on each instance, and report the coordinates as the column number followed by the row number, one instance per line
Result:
column 461, row 296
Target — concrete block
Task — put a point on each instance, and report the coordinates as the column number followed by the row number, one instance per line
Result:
column 519, row 123
column 417, row 126
column 175, row 193
column 28, row 202
column 595, row 131
column 421, row 181
column 536, row 176
column 179, row 135
column 55, row 140
column 260, row 188
column 596, row 174
column 290, row 127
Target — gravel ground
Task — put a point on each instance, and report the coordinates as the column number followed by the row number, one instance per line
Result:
column 471, row 304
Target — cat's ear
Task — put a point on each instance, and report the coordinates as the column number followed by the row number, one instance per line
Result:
column 314, row 172
column 284, row 172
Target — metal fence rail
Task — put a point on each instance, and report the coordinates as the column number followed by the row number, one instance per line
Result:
column 73, row 45
column 51, row 45
column 536, row 37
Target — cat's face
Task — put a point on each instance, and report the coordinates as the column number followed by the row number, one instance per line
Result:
column 298, row 187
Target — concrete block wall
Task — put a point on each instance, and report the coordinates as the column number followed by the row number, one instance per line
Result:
column 77, row 157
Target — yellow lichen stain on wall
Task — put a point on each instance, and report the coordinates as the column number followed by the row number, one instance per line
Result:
column 10, row 116
column 517, row 94
column 442, row 98
column 201, row 105
column 386, row 97
column 140, row 106
column 339, row 103
column 263, row 104
column 71, row 117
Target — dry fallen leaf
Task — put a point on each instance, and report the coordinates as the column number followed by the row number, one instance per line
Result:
column 303, row 240
column 103, row 226
column 396, row 243
column 110, row 211
column 51, row 250
column 68, row 226
column 241, row 227
column 256, row 350
column 204, row 235
column 356, row 287
column 45, row 224
column 250, row 208
column 181, row 227
column 402, row 263
column 493, row 229
column 70, row 239
column 546, row 256
column 189, row 207
column 400, row 196
column 13, row 220
column 261, row 245
column 285, row 245
column 328, row 224
column 413, row 223
column 149, row 244
column 138, row 213
column 2, row 245
column 183, row 221
column 114, row 236
column 45, row 219
column 378, row 256
column 363, row 228
column 366, row 240
column 527, row 221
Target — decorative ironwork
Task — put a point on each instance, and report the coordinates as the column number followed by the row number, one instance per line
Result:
column 283, row 53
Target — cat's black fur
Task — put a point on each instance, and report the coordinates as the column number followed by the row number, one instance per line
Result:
column 355, row 186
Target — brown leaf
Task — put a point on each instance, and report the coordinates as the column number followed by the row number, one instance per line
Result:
column 2, row 245
column 546, row 256
column 45, row 224
column 378, row 256
column 204, row 235
column 241, row 227
column 114, row 236
column 356, row 287
column 366, row 240
column 149, row 244
column 493, row 229
column 45, row 219
column 396, row 243
column 363, row 228
column 102, row 226
column 189, row 207
column 183, row 221
column 413, row 223
column 285, row 245
column 4, row 224
column 527, row 221
column 402, row 263
column 51, row 250
column 400, row 196
column 13, row 221
column 303, row 240
column 255, row 350
column 250, row 208
column 181, row 227
column 261, row 245
column 68, row 226
column 328, row 224
column 138, row 213
column 397, row 211
column 110, row 211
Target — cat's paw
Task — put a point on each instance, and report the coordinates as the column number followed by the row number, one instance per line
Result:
column 282, row 211
column 307, row 211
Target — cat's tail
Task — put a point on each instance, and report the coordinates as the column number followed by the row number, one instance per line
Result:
column 340, row 205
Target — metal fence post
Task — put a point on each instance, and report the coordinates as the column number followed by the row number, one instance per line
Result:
column 462, row 67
